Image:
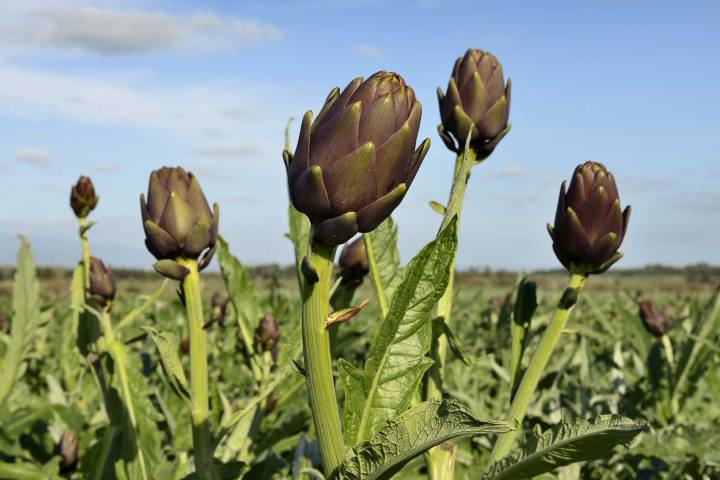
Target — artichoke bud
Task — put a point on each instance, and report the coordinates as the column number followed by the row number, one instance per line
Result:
column 178, row 221
column 219, row 308
column 354, row 163
column 476, row 103
column 267, row 335
column 589, row 223
column 102, row 282
column 353, row 262
column 67, row 449
column 654, row 319
column 82, row 197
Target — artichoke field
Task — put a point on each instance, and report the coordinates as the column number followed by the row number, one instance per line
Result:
column 371, row 368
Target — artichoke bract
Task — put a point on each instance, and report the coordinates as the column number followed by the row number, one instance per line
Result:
column 102, row 282
column 178, row 221
column 654, row 319
column 353, row 262
column 82, row 197
column 354, row 163
column 476, row 103
column 590, row 224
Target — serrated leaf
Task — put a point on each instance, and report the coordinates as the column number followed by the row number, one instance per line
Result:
column 26, row 316
column 387, row 256
column 396, row 361
column 167, row 345
column 574, row 440
column 409, row 435
column 242, row 293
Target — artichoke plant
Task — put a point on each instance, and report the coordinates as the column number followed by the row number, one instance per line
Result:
column 353, row 262
column 82, row 197
column 476, row 103
column 590, row 224
column 102, row 282
column 178, row 222
column 653, row 318
column 354, row 163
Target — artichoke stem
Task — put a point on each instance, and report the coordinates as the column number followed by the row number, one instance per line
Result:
column 535, row 370
column 375, row 277
column 85, row 253
column 318, row 360
column 440, row 460
column 202, row 442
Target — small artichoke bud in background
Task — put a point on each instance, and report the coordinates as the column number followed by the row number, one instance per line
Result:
column 590, row 224
column 82, row 197
column 102, row 282
column 353, row 165
column 219, row 308
column 353, row 262
column 654, row 319
column 67, row 449
column 267, row 335
column 476, row 103
column 178, row 222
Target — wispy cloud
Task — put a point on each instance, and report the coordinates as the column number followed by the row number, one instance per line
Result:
column 508, row 171
column 227, row 151
column 108, row 167
column 368, row 51
column 128, row 32
column 35, row 156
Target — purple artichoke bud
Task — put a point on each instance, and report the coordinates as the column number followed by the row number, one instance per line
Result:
column 353, row 164
column 219, row 308
column 82, row 197
column 267, row 334
column 178, row 221
column 477, row 103
column 102, row 282
column 654, row 319
column 67, row 448
column 353, row 262
column 589, row 224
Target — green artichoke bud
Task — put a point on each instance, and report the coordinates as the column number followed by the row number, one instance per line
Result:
column 102, row 282
column 353, row 262
column 654, row 319
column 82, row 197
column 353, row 164
column 589, row 224
column 178, row 221
column 477, row 103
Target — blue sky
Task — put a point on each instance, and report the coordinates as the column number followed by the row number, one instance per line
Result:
column 115, row 89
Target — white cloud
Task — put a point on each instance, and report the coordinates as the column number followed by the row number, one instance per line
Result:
column 107, row 167
column 127, row 32
column 35, row 156
column 368, row 51
column 228, row 151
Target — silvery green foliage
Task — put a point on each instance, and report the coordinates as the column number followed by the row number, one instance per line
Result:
column 411, row 434
column 574, row 440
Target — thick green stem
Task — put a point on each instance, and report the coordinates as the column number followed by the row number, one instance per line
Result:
column 440, row 460
column 202, row 442
column 375, row 277
column 85, row 252
column 318, row 361
column 537, row 365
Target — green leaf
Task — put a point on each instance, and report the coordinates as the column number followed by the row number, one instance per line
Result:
column 574, row 440
column 387, row 256
column 20, row 471
column 26, row 317
column 242, row 293
column 411, row 434
column 298, row 234
column 137, row 311
column 453, row 341
column 396, row 361
column 167, row 345
column 525, row 306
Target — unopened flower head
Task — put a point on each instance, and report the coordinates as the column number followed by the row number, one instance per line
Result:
column 353, row 262
column 653, row 318
column 354, row 163
column 590, row 224
column 102, row 282
column 476, row 103
column 177, row 220
column 82, row 197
